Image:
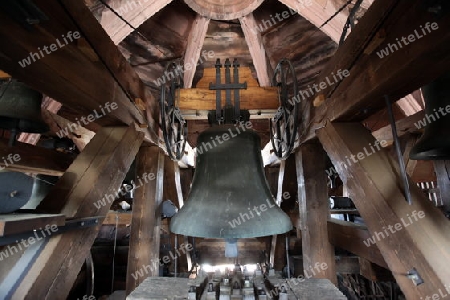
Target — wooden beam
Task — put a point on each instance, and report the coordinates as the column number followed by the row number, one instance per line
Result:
column 67, row 74
column 32, row 159
column 351, row 236
column 135, row 12
column 251, row 98
column 78, row 134
column 4, row 75
column 256, row 47
column 114, row 60
column 145, row 226
column 318, row 13
column 95, row 176
column 404, row 126
column 21, row 223
column 194, row 48
column 314, row 210
column 371, row 77
column 121, row 219
column 442, row 169
column 408, row 236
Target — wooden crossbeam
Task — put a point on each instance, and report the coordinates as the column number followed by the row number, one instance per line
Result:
column 408, row 236
column 33, row 159
column 251, row 98
column 371, row 77
column 20, row 223
column 351, row 236
column 66, row 73
column 404, row 126
column 134, row 12
column 98, row 171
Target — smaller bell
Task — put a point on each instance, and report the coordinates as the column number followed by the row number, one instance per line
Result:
column 20, row 108
column 435, row 141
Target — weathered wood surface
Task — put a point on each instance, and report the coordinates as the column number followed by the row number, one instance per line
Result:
column 371, row 77
column 407, row 235
column 98, row 171
column 146, row 217
column 21, row 223
column 314, row 210
column 33, row 159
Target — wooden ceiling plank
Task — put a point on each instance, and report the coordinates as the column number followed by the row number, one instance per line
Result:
column 134, row 12
column 256, row 47
column 194, row 48
column 371, row 77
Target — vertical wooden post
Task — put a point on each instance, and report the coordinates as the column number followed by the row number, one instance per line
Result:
column 314, row 212
column 143, row 256
column 408, row 236
column 442, row 169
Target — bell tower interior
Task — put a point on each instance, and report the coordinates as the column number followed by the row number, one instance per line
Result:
column 224, row 150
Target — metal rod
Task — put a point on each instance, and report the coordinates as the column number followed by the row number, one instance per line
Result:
column 398, row 150
column 176, row 258
column 227, row 81
column 287, row 257
column 237, row 99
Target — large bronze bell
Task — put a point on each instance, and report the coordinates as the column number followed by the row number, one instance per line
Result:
column 230, row 197
column 20, row 108
column 435, row 142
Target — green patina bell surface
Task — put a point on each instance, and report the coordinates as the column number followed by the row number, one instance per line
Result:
column 20, row 108
column 435, row 142
column 230, row 197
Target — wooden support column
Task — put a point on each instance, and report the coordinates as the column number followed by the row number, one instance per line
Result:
column 408, row 236
column 143, row 256
column 194, row 48
column 314, row 211
column 256, row 47
column 442, row 169
column 95, row 176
